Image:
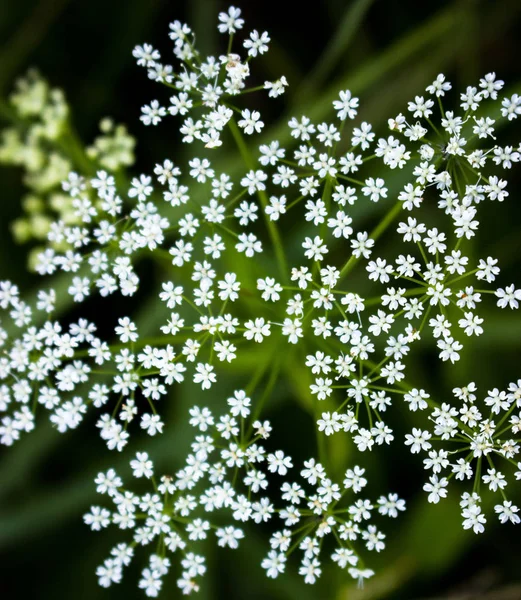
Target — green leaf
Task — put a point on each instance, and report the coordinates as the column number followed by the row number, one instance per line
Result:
column 338, row 45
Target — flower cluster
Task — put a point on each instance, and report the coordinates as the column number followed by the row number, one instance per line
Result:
column 206, row 83
column 223, row 486
column 237, row 276
column 465, row 442
column 44, row 144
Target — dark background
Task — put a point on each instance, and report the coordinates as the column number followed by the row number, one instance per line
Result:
column 396, row 49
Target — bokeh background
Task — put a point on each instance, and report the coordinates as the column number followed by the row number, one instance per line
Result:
column 386, row 52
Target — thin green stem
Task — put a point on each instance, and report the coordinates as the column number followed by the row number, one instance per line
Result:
column 263, row 197
column 375, row 234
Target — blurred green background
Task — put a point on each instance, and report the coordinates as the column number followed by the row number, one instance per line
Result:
column 386, row 52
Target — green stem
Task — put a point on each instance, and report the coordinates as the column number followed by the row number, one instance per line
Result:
column 263, row 197
column 375, row 234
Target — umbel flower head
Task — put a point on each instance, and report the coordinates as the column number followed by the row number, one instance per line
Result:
column 225, row 484
column 235, row 278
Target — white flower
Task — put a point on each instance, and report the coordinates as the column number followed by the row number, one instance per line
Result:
column 257, row 44
column 251, row 122
column 230, row 22
column 274, row 564
column 346, row 106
